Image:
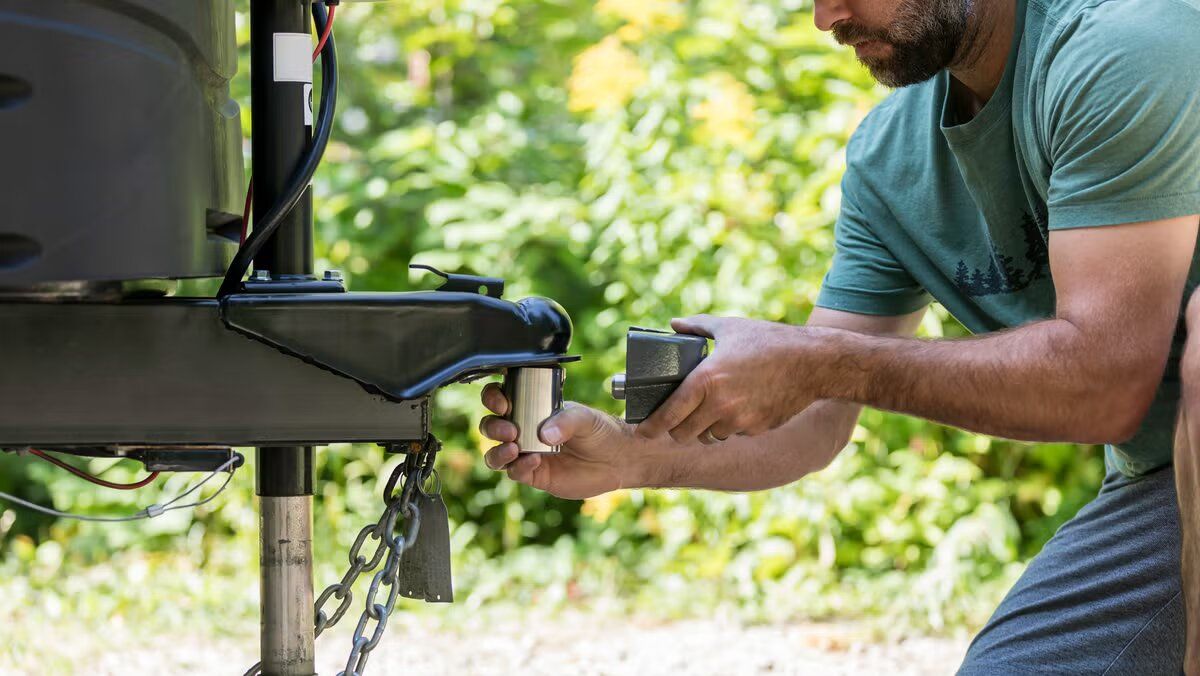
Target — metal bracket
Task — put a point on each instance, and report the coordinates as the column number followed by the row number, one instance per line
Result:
column 167, row 459
column 262, row 281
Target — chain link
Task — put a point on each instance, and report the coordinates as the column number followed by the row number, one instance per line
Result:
column 415, row 469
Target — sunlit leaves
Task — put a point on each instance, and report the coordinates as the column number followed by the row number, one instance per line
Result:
column 605, row 77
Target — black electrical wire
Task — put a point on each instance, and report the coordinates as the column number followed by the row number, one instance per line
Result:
column 302, row 176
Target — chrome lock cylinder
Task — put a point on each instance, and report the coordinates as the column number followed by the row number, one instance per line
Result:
column 535, row 393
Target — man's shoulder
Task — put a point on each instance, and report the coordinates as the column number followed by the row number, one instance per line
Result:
column 1094, row 29
column 899, row 131
column 1118, row 15
column 1095, row 55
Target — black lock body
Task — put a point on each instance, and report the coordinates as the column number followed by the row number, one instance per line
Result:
column 656, row 362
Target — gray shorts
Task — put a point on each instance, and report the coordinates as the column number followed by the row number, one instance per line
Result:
column 1102, row 597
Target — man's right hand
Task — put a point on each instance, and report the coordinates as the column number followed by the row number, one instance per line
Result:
column 599, row 453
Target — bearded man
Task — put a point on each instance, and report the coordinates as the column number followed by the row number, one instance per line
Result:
column 1037, row 172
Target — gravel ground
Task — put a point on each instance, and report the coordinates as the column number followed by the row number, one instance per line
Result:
column 572, row 644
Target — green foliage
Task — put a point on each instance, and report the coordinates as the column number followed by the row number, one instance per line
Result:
column 635, row 161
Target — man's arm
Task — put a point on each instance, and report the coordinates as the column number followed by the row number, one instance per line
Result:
column 601, row 453
column 1187, row 483
column 807, row 443
column 1087, row 375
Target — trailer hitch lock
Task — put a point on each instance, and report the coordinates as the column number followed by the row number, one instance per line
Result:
column 656, row 362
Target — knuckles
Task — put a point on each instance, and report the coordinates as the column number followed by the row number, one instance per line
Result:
column 706, row 378
column 494, row 459
column 728, row 410
column 493, row 398
column 671, row 419
column 498, row 429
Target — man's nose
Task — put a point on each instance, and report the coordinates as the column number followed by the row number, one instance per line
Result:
column 829, row 12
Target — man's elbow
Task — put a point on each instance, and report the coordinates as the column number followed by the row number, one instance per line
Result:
column 1119, row 410
column 1126, row 420
column 1113, row 383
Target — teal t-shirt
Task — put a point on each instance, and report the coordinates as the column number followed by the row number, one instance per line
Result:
column 1096, row 122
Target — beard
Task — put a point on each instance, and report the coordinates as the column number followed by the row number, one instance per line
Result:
column 925, row 37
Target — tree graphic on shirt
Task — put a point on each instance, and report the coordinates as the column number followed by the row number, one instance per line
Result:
column 1003, row 274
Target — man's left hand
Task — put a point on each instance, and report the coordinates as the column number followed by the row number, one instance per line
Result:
column 754, row 381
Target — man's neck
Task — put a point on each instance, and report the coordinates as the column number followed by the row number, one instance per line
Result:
column 979, row 67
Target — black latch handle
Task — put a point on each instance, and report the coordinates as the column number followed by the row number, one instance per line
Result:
column 488, row 286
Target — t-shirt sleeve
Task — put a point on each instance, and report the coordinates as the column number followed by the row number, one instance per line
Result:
column 1123, row 115
column 865, row 277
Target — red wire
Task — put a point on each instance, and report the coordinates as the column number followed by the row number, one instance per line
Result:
column 94, row 479
column 250, row 189
column 325, row 33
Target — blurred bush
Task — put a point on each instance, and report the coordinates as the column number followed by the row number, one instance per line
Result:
column 636, row 160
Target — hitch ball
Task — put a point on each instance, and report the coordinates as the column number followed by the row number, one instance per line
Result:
column 656, row 362
column 535, row 394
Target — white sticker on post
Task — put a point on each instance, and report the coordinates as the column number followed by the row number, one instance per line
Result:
column 308, row 114
column 293, row 57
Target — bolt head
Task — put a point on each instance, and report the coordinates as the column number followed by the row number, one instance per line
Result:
column 333, row 275
column 261, row 276
column 618, row 386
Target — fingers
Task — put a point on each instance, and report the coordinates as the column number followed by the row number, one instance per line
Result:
column 700, row 325
column 494, row 399
column 677, row 407
column 700, row 420
column 723, row 429
column 529, row 469
column 499, row 457
column 519, row 467
column 522, row 469
column 572, row 422
column 498, row 429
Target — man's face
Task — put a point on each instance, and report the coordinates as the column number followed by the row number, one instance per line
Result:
column 908, row 44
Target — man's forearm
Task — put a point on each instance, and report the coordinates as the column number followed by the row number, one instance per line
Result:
column 805, row 444
column 1041, row 382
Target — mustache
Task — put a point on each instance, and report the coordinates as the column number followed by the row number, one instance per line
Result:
column 846, row 32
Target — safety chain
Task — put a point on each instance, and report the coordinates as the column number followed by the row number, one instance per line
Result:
column 415, row 470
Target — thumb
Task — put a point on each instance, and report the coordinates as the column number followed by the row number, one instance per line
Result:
column 572, row 422
column 700, row 325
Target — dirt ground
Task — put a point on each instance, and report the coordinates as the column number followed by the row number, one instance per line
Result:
column 573, row 644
